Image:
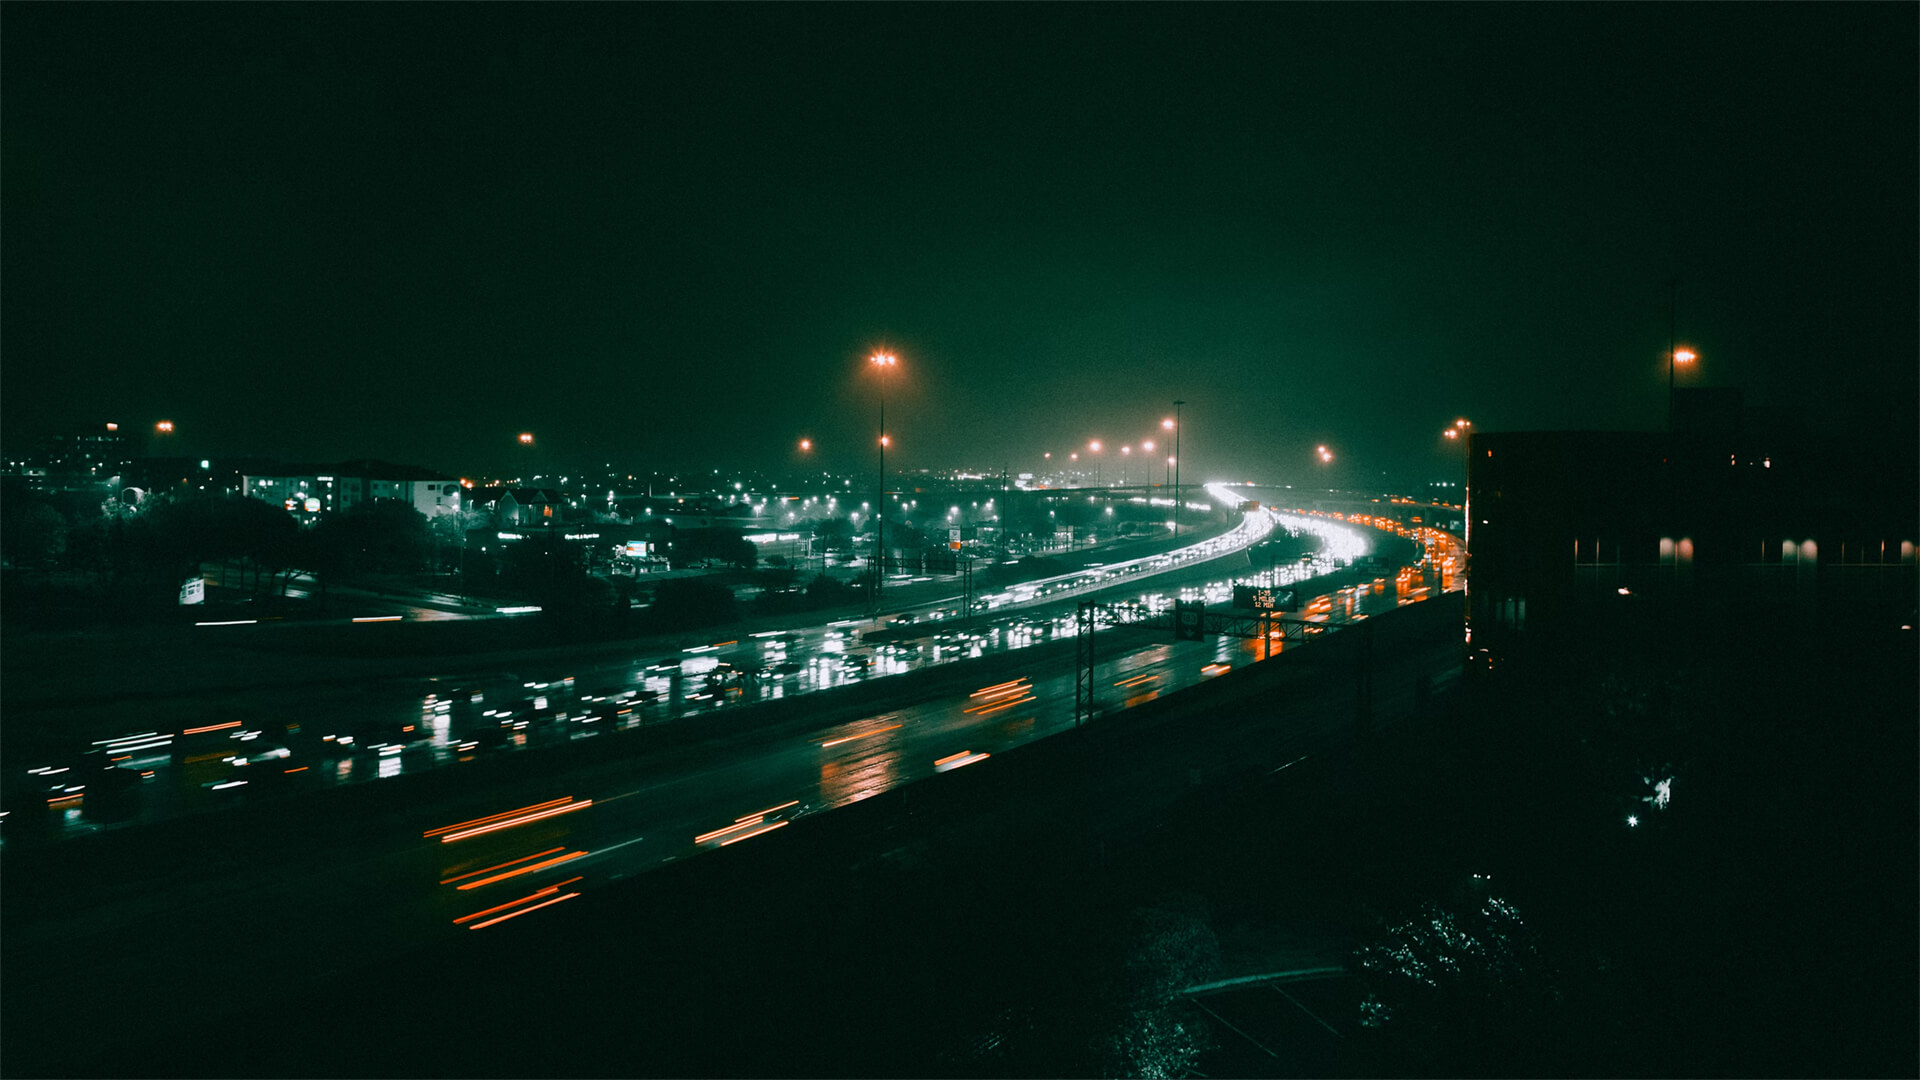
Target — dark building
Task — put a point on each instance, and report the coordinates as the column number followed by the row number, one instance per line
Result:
column 74, row 461
column 1726, row 519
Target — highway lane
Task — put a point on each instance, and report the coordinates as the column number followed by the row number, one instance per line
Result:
column 820, row 768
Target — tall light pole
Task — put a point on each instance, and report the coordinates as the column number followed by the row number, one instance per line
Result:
column 1094, row 449
column 1167, row 425
column 881, row 361
column 1458, row 433
column 1675, row 354
column 1176, row 468
column 1126, row 458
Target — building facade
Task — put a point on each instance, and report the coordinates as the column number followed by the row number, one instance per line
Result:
column 316, row 489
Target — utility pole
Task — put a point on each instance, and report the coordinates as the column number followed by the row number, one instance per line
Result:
column 1673, row 341
column 1176, row 468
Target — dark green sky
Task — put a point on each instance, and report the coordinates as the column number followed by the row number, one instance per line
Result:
column 666, row 234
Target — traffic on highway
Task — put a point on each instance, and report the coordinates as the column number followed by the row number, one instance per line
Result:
column 236, row 752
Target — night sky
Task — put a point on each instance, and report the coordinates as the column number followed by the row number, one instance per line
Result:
column 668, row 235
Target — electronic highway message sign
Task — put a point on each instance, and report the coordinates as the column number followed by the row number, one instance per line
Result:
column 1263, row 598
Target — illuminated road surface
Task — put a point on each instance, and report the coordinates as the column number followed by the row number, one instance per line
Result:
column 209, row 751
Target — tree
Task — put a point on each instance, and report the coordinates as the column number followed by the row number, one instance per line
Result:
column 836, row 534
column 33, row 535
column 382, row 535
column 721, row 543
column 449, row 532
column 824, row 591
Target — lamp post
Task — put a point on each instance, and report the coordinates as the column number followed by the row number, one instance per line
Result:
column 1126, row 456
column 1458, row 433
column 1176, row 468
column 1675, row 354
column 881, row 362
column 1094, row 449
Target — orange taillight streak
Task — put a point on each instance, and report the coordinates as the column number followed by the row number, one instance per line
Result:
column 497, row 817
column 211, row 727
column 1007, row 705
column 997, row 686
column 756, row 832
column 534, row 895
column 763, row 813
column 501, row 866
column 523, row 870
column 862, row 735
column 523, row 911
column 986, row 703
column 741, row 824
column 511, row 822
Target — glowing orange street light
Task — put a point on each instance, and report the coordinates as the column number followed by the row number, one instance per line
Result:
column 1675, row 357
column 163, row 426
column 526, row 438
column 806, row 444
column 113, row 427
column 881, row 361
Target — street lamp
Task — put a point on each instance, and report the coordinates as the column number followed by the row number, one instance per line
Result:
column 1675, row 356
column 881, row 361
column 1094, row 448
column 526, row 438
column 1458, row 433
column 164, row 427
column 1173, row 425
column 1126, row 455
